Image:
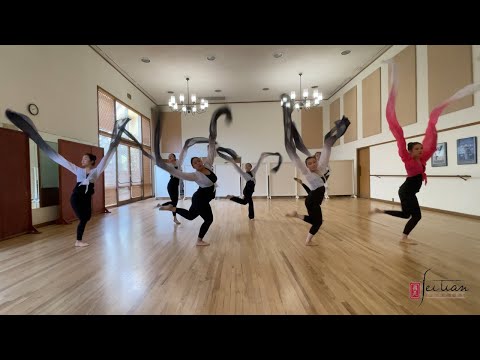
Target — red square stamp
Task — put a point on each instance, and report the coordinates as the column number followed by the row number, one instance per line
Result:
column 415, row 290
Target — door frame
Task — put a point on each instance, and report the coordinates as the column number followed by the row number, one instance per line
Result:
column 359, row 171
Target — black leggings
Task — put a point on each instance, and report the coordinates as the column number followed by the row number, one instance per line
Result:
column 307, row 189
column 247, row 199
column 82, row 206
column 172, row 189
column 200, row 207
column 410, row 206
column 312, row 203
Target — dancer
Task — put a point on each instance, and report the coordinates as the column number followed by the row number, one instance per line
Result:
column 206, row 179
column 172, row 187
column 415, row 156
column 307, row 189
column 203, row 176
column 326, row 175
column 87, row 174
column 249, row 176
column 312, row 169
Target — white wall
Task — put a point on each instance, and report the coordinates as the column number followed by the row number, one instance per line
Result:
column 256, row 127
column 448, row 194
column 62, row 81
column 228, row 180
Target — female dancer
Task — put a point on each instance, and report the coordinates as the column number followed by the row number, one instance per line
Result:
column 203, row 176
column 326, row 175
column 172, row 187
column 249, row 176
column 81, row 199
column 313, row 170
column 415, row 156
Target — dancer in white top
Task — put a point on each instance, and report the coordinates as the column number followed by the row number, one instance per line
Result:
column 249, row 176
column 203, row 176
column 326, row 175
column 87, row 174
column 313, row 170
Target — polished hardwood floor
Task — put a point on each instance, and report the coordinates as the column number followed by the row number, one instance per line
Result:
column 140, row 262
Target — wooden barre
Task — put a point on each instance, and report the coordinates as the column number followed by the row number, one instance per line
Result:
column 463, row 177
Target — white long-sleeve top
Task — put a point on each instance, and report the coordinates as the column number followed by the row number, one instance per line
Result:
column 315, row 178
column 200, row 178
column 81, row 173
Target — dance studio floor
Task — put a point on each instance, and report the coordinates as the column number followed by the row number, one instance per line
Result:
column 140, row 262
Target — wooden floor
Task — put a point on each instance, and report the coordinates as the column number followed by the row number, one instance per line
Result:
column 139, row 262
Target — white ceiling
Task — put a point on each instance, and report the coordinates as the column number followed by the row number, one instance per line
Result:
column 240, row 71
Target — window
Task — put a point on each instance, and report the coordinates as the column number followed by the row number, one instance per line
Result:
column 128, row 177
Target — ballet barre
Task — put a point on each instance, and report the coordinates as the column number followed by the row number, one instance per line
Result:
column 463, row 177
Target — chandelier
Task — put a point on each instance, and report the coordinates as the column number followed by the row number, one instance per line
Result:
column 304, row 102
column 188, row 107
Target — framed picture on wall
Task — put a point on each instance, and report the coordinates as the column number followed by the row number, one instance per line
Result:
column 467, row 151
column 439, row 157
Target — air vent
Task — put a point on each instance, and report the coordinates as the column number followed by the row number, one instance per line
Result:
column 215, row 98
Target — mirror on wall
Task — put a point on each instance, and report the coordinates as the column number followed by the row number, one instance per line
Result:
column 44, row 175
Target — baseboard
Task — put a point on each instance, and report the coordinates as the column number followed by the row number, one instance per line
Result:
column 476, row 217
column 53, row 222
column 259, row 197
column 283, row 196
column 349, row 195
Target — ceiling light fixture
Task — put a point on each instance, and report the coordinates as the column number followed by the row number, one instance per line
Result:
column 305, row 102
column 187, row 107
